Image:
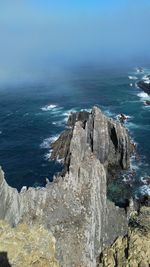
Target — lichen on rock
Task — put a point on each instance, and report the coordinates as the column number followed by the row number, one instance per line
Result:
column 27, row 246
column 134, row 248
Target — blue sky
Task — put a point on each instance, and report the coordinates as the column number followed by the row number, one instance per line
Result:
column 38, row 34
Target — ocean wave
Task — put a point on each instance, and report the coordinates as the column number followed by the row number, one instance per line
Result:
column 132, row 78
column 143, row 95
column 131, row 125
column 145, row 190
column 47, row 141
column 145, row 78
column 1, row 132
column 60, row 123
column 48, row 155
column 49, row 107
column 109, row 113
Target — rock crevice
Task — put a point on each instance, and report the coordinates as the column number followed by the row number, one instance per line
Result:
column 74, row 207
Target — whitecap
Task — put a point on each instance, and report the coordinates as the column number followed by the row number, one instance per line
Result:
column 48, row 155
column 59, row 123
column 145, row 190
column 1, row 132
column 109, row 113
column 46, row 142
column 132, row 77
column 144, row 180
column 87, row 109
column 145, row 78
column 147, row 82
column 143, row 95
column 49, row 107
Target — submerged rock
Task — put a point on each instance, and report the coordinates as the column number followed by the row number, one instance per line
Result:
column 145, row 86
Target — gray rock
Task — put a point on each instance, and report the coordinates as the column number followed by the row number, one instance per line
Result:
column 75, row 207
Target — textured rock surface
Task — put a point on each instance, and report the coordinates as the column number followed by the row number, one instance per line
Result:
column 108, row 139
column 75, row 207
column 145, row 86
column 133, row 249
column 27, row 246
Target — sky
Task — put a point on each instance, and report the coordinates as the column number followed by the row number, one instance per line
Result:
column 38, row 36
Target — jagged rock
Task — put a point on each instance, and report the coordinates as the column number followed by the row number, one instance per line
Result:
column 107, row 138
column 26, row 246
column 133, row 249
column 145, row 86
column 147, row 102
column 82, row 116
column 75, row 207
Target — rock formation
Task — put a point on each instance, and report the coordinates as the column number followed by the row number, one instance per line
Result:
column 145, row 85
column 26, row 246
column 132, row 249
column 74, row 207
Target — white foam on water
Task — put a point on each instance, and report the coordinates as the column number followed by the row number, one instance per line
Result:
column 145, row 189
column 109, row 113
column 145, row 78
column 132, row 78
column 49, row 107
column 1, row 132
column 46, row 142
column 131, row 125
column 86, row 109
column 144, row 180
column 143, row 95
column 48, row 155
column 136, row 86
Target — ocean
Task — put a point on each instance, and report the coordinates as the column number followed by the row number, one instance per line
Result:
column 32, row 116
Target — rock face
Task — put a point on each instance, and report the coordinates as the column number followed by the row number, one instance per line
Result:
column 145, row 86
column 26, row 246
column 134, row 248
column 147, row 102
column 74, row 207
column 108, row 140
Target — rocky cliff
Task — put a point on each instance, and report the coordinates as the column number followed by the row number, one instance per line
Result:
column 25, row 246
column 132, row 249
column 74, row 207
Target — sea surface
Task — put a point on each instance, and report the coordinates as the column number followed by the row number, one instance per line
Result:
column 32, row 116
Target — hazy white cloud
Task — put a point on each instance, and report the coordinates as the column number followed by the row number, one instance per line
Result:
column 35, row 39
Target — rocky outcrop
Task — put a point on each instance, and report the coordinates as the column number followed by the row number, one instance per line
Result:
column 145, row 85
column 147, row 102
column 74, row 207
column 132, row 249
column 25, row 246
column 108, row 139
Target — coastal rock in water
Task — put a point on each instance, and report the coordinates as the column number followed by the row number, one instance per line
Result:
column 109, row 140
column 75, row 207
column 147, row 102
column 25, row 246
column 145, row 86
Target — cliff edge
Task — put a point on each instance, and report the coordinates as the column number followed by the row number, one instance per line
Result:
column 74, row 207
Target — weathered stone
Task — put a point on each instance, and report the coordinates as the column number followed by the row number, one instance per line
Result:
column 134, row 248
column 27, row 246
column 96, row 222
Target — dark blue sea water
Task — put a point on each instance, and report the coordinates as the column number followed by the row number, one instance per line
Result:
column 32, row 116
